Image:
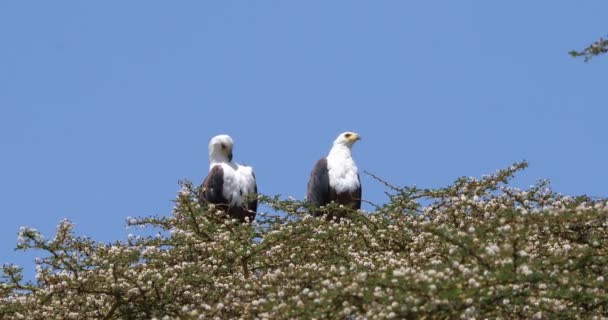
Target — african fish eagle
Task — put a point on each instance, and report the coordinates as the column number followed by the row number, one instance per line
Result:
column 335, row 177
column 229, row 185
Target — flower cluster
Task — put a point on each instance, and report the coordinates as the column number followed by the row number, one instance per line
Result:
column 476, row 249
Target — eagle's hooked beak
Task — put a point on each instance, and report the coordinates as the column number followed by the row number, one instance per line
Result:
column 229, row 154
column 227, row 151
column 354, row 137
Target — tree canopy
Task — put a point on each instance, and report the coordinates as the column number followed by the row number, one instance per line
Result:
column 478, row 248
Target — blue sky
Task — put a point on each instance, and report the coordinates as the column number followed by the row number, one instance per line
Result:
column 105, row 105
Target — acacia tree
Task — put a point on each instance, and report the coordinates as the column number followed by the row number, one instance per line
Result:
column 478, row 248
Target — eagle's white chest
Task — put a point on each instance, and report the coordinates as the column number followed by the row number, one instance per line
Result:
column 343, row 173
column 238, row 183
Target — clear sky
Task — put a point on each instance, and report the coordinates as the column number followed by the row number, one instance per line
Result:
column 105, row 105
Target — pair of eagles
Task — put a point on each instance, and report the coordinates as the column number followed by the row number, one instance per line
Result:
column 228, row 185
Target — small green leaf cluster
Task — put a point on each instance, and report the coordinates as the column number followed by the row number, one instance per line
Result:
column 478, row 248
column 597, row 48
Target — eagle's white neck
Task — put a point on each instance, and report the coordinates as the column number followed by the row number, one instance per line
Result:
column 217, row 158
column 340, row 151
column 342, row 171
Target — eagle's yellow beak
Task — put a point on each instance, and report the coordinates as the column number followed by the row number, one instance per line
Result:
column 227, row 151
column 354, row 137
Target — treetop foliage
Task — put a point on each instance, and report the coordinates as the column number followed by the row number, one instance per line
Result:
column 597, row 48
column 478, row 248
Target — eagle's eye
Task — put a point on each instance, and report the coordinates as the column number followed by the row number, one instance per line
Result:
column 223, row 146
column 347, row 135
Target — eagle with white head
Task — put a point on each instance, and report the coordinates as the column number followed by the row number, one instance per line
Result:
column 229, row 185
column 335, row 178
